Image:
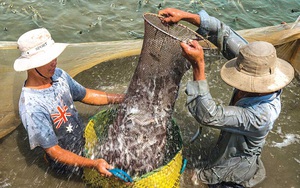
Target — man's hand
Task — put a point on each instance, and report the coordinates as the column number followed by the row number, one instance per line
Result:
column 102, row 166
column 172, row 15
column 193, row 52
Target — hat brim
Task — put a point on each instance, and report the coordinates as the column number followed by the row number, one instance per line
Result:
column 40, row 59
column 283, row 75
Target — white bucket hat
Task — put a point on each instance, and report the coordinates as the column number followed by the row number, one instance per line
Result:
column 257, row 69
column 37, row 49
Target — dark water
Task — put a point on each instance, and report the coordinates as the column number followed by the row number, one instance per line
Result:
column 89, row 21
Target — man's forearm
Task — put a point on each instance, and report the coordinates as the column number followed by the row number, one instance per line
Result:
column 66, row 157
column 192, row 18
column 115, row 98
column 96, row 97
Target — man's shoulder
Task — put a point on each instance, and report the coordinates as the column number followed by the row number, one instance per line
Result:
column 60, row 74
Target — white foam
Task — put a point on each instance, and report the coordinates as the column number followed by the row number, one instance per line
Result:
column 134, row 111
column 288, row 140
column 297, row 160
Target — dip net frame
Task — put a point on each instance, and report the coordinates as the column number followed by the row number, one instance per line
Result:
column 161, row 55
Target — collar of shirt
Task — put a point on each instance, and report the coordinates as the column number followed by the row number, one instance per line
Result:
column 253, row 101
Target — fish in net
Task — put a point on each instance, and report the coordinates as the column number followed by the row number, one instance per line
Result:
column 139, row 139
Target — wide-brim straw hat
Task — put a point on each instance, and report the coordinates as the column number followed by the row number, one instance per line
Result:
column 37, row 49
column 257, row 69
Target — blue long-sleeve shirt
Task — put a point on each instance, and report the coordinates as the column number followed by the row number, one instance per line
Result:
column 244, row 125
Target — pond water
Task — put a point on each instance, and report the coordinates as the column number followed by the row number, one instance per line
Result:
column 21, row 167
column 79, row 21
column 107, row 20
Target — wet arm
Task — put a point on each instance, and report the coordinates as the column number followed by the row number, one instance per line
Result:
column 66, row 157
column 96, row 97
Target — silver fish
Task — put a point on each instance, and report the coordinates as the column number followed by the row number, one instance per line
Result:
column 137, row 141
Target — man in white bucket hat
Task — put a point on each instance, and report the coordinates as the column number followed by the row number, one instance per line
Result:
column 258, row 77
column 47, row 107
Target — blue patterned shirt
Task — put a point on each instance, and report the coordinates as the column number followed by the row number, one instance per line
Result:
column 49, row 115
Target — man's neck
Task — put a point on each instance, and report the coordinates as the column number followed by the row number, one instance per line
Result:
column 36, row 82
column 243, row 94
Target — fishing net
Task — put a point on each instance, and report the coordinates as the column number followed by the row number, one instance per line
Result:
column 147, row 112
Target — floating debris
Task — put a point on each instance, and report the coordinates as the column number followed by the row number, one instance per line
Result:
column 136, row 35
column 238, row 4
column 63, row 2
column 236, row 19
column 159, row 6
column 25, row 11
column 198, row 132
column 36, row 14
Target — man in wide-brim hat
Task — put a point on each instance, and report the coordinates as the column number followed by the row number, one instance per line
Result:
column 46, row 105
column 258, row 77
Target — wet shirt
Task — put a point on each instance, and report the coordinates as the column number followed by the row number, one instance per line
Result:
column 221, row 35
column 244, row 126
column 49, row 115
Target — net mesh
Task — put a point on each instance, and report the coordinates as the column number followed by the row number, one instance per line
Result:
column 143, row 122
column 175, row 32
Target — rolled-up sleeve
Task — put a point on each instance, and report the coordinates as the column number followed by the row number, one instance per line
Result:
column 221, row 35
